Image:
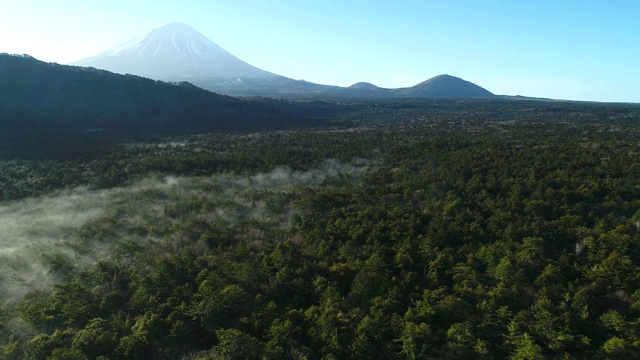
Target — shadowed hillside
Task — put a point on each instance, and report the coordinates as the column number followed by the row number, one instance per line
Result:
column 35, row 95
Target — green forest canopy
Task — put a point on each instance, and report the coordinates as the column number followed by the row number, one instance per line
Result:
column 408, row 229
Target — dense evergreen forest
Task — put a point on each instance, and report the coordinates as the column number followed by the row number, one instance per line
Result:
column 400, row 229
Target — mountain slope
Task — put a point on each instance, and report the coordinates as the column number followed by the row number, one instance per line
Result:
column 444, row 86
column 35, row 95
column 176, row 52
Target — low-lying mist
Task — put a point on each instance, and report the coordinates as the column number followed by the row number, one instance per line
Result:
column 42, row 240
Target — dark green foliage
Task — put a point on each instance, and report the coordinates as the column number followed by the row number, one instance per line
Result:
column 485, row 230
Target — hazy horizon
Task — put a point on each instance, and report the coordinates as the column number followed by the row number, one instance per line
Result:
column 563, row 50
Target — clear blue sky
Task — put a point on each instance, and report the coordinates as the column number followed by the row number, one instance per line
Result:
column 579, row 50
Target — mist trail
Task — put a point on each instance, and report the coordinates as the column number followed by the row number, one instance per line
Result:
column 41, row 238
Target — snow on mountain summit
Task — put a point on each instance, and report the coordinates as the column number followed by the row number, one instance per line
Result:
column 173, row 39
column 174, row 51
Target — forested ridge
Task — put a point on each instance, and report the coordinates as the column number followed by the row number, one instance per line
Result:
column 408, row 229
column 44, row 98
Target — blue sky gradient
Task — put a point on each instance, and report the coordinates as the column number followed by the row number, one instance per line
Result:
column 578, row 50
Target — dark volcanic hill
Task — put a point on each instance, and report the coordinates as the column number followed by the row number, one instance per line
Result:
column 35, row 95
column 445, row 86
column 363, row 85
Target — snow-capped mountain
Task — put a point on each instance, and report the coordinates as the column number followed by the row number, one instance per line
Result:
column 175, row 52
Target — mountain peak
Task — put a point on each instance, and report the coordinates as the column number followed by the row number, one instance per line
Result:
column 173, row 39
column 442, row 78
column 446, row 86
column 364, row 86
column 174, row 51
